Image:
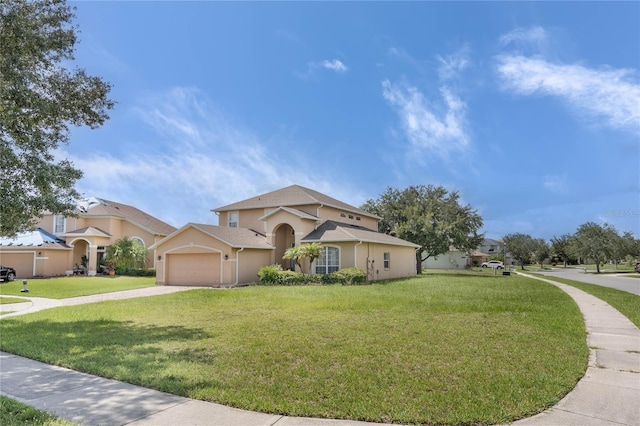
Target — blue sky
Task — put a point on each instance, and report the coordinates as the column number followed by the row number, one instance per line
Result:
column 531, row 111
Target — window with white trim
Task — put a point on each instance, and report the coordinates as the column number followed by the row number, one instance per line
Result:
column 329, row 260
column 387, row 260
column 59, row 224
column 234, row 218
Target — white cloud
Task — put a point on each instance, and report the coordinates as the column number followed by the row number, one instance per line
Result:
column 535, row 35
column 334, row 65
column 194, row 160
column 451, row 65
column 428, row 130
column 610, row 94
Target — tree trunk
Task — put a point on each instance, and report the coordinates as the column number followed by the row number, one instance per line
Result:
column 418, row 263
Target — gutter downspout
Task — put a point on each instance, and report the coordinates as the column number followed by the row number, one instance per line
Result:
column 237, row 263
column 318, row 215
column 355, row 254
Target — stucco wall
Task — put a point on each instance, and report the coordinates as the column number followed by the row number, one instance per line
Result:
column 449, row 260
column 343, row 216
column 251, row 260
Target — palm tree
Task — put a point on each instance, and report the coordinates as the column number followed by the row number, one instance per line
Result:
column 308, row 250
column 127, row 253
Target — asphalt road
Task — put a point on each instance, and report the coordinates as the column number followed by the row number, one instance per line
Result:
column 626, row 282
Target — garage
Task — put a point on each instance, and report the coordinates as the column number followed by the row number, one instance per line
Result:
column 193, row 269
column 22, row 262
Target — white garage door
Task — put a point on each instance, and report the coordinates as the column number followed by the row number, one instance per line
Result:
column 193, row 269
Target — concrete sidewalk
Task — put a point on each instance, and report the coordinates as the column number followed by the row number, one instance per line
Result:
column 609, row 393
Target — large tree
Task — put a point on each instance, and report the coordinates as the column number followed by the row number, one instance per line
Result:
column 541, row 251
column 521, row 247
column 561, row 247
column 39, row 99
column 595, row 242
column 429, row 216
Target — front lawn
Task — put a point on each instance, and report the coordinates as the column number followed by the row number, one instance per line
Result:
column 435, row 349
column 64, row 287
column 14, row 413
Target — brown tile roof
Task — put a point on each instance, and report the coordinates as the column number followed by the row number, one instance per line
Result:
column 234, row 237
column 132, row 214
column 336, row 231
column 294, row 195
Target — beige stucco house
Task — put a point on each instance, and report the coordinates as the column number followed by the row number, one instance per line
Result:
column 256, row 232
column 59, row 243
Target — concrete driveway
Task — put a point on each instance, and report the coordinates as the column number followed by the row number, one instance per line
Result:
column 626, row 282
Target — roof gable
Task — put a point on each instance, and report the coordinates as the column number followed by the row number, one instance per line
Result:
column 233, row 237
column 294, row 195
column 100, row 207
column 295, row 212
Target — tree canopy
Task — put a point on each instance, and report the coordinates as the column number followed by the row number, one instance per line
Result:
column 595, row 242
column 39, row 99
column 521, row 247
column 429, row 216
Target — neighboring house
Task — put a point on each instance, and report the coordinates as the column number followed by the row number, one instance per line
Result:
column 456, row 259
column 256, row 232
column 453, row 259
column 60, row 243
column 491, row 247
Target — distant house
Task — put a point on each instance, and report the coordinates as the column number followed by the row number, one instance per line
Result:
column 256, row 232
column 60, row 243
column 453, row 259
column 457, row 259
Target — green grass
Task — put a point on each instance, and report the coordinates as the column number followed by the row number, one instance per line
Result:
column 14, row 413
column 62, row 288
column 10, row 300
column 436, row 349
column 627, row 303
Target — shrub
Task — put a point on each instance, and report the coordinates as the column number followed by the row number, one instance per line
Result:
column 135, row 272
column 290, row 278
column 346, row 276
column 269, row 274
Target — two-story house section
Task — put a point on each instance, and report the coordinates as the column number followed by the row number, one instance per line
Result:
column 256, row 232
column 59, row 242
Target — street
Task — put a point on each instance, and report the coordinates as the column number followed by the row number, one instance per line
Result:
column 626, row 282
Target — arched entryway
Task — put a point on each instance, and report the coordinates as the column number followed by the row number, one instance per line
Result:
column 81, row 254
column 285, row 237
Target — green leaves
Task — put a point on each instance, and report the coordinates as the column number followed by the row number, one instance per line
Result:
column 39, row 99
column 309, row 251
column 127, row 253
column 429, row 216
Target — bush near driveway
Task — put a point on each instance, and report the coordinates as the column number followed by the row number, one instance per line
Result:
column 435, row 349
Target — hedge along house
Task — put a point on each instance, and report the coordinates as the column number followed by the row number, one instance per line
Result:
column 256, row 232
column 65, row 241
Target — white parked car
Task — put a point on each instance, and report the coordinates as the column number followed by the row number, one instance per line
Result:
column 493, row 264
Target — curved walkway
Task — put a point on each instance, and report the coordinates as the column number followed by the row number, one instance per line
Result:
column 608, row 394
